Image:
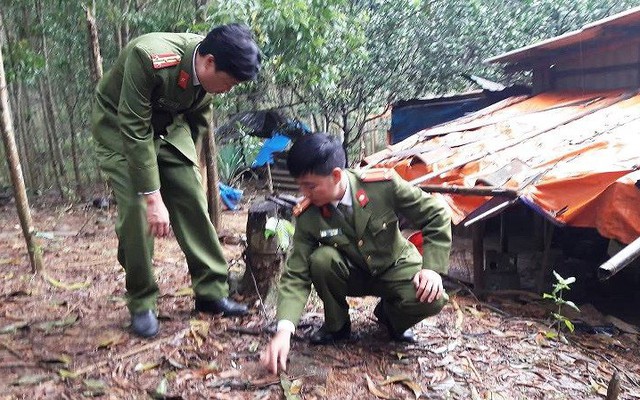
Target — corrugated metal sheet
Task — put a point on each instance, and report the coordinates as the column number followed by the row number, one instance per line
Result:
column 585, row 34
column 571, row 156
column 616, row 68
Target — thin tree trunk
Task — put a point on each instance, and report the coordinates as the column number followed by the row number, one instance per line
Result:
column 124, row 35
column 213, row 192
column 95, row 61
column 51, row 144
column 345, row 135
column 122, row 30
column 19, row 190
column 74, row 147
column 57, row 140
column 49, row 119
column 210, row 147
column 49, row 114
column 372, row 142
column 200, row 10
column 21, row 133
column 119, row 39
column 15, row 101
column 35, row 165
column 363, row 148
column 95, row 57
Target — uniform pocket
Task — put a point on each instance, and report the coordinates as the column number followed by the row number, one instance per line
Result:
column 387, row 222
column 179, row 136
column 339, row 240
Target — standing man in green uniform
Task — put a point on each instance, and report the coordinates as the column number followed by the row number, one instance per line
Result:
column 347, row 243
column 150, row 109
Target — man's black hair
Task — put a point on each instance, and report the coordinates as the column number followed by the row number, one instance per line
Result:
column 234, row 49
column 315, row 153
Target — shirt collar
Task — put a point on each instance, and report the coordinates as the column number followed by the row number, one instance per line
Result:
column 196, row 81
column 346, row 198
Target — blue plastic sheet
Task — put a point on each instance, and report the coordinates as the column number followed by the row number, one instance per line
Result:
column 230, row 196
column 275, row 144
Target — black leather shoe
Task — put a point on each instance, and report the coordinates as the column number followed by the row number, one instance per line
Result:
column 406, row 336
column 224, row 306
column 145, row 324
column 322, row 336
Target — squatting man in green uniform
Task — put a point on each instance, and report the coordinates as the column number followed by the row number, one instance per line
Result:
column 150, row 109
column 347, row 243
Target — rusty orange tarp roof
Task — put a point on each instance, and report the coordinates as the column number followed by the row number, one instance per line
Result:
column 572, row 156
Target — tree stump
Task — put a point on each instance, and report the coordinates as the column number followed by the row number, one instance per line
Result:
column 263, row 259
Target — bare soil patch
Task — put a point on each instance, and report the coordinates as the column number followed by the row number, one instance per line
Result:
column 64, row 336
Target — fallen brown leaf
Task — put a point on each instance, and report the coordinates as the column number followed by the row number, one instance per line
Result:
column 405, row 380
column 374, row 389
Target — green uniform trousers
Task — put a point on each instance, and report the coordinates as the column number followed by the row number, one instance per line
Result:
column 334, row 278
column 184, row 197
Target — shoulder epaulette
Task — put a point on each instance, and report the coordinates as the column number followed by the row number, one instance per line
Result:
column 165, row 60
column 376, row 175
column 301, row 206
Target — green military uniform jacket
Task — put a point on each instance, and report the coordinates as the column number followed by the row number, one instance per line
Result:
column 149, row 93
column 375, row 244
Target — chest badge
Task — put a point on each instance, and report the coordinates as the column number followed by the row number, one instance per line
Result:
column 330, row 232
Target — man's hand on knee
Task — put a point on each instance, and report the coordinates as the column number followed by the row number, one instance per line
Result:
column 274, row 357
column 428, row 285
column 157, row 215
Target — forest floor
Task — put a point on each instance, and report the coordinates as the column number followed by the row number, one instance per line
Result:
column 64, row 335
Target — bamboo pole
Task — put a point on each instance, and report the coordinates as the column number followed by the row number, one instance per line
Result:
column 471, row 191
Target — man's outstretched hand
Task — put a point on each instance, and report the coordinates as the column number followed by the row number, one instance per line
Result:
column 274, row 356
column 428, row 285
column 157, row 215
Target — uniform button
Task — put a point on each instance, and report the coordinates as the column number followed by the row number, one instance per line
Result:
column 335, row 245
column 384, row 225
column 161, row 137
column 368, row 258
column 360, row 243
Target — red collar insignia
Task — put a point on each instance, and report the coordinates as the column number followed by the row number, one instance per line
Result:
column 362, row 198
column 183, row 79
column 325, row 211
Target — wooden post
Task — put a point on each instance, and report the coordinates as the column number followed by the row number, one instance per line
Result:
column 269, row 178
column 477, row 239
column 19, row 190
column 213, row 192
column 548, row 230
column 504, row 235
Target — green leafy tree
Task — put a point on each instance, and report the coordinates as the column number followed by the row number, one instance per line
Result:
column 335, row 64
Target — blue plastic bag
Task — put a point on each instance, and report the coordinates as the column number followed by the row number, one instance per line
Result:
column 275, row 144
column 230, row 196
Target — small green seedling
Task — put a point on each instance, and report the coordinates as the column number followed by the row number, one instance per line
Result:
column 559, row 320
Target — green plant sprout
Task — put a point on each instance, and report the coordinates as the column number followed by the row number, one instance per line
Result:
column 559, row 320
column 282, row 229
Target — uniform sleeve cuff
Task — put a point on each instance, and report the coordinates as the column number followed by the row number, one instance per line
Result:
column 146, row 193
column 145, row 179
column 286, row 325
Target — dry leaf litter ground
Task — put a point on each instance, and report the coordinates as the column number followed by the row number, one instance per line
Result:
column 63, row 335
